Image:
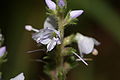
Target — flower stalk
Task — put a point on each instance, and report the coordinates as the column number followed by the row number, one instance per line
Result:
column 59, row 56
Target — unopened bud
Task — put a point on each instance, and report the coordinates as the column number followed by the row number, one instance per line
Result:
column 51, row 5
column 75, row 13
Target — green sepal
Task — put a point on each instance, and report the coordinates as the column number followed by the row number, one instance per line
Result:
column 68, row 40
column 70, row 21
column 2, row 59
column 51, row 12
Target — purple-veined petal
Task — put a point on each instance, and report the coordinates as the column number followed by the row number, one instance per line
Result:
column 75, row 13
column 37, row 36
column 2, row 51
column 57, row 40
column 51, row 5
column 51, row 45
column 42, row 34
column 57, row 32
column 45, row 41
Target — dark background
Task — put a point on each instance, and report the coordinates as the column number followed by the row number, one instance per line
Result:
column 101, row 20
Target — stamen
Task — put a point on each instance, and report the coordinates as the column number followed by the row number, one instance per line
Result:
column 35, row 50
column 80, row 58
column 30, row 28
column 86, row 59
column 39, row 60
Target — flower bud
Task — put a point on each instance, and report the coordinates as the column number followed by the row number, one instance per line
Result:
column 75, row 13
column 51, row 5
column 61, row 3
column 86, row 44
column 2, row 51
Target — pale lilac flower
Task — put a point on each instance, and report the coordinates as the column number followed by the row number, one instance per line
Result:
column 51, row 5
column 85, row 44
column 46, row 36
column 75, row 13
column 19, row 77
column 2, row 51
column 61, row 3
column 49, row 37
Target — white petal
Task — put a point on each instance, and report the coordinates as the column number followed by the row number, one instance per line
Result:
column 51, row 45
column 50, row 23
column 57, row 40
column 19, row 77
column 96, row 42
column 86, row 45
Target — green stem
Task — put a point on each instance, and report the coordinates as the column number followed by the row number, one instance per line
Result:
column 59, row 57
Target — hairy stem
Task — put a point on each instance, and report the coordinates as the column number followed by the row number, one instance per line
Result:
column 59, row 57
